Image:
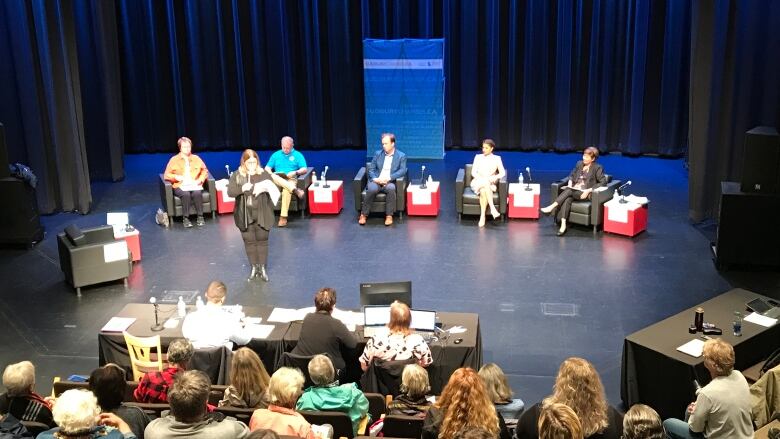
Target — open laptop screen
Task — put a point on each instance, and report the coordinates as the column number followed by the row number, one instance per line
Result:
column 378, row 315
column 423, row 320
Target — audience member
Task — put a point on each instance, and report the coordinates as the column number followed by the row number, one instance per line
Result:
column 212, row 325
column 77, row 415
column 187, row 172
column 285, row 165
column 558, row 421
column 579, row 387
column 722, row 407
column 20, row 398
column 188, row 417
column 248, row 381
column 328, row 395
column 474, row 433
column 463, row 404
column 154, row 385
column 642, row 422
column 285, row 387
column 399, row 342
column 499, row 391
column 414, row 387
column 323, row 334
column 263, row 434
column 108, row 384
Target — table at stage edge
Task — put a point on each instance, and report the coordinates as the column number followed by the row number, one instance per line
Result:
column 225, row 204
column 133, row 240
column 655, row 373
column 423, row 202
column 627, row 219
column 523, row 203
column 447, row 356
column 328, row 200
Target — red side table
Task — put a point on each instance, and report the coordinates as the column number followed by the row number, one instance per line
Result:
column 627, row 219
column 328, row 200
column 225, row 204
column 523, row 203
column 423, row 202
column 133, row 240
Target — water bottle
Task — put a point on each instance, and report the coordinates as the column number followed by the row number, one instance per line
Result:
column 737, row 324
column 520, row 178
column 314, row 178
column 182, row 307
column 199, row 303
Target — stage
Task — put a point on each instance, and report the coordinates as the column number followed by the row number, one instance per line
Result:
column 540, row 298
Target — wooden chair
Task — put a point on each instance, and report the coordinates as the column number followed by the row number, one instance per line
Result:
column 142, row 358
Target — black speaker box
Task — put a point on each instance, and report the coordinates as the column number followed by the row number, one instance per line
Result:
column 19, row 219
column 4, row 172
column 761, row 161
column 745, row 234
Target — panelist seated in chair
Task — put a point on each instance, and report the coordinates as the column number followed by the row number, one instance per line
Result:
column 584, row 178
column 285, row 165
column 214, row 326
column 328, row 395
column 154, row 385
column 387, row 165
column 187, row 172
column 399, row 342
column 486, row 171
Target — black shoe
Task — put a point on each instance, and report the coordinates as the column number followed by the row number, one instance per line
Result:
column 186, row 223
column 262, row 274
column 200, row 221
column 253, row 273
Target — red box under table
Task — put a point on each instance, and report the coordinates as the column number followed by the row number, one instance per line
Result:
column 523, row 203
column 627, row 219
column 423, row 202
column 133, row 240
column 225, row 204
column 326, row 200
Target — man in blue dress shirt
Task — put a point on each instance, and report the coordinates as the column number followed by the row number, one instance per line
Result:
column 286, row 165
column 387, row 165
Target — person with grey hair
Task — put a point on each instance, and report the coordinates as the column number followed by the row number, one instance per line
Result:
column 328, row 395
column 188, row 416
column 77, row 414
column 285, row 165
column 20, row 399
column 154, row 386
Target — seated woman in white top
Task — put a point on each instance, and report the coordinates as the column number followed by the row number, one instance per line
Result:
column 486, row 171
column 399, row 342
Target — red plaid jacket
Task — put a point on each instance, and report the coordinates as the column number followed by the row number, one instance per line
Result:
column 154, row 386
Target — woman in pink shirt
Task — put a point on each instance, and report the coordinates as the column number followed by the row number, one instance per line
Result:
column 283, row 391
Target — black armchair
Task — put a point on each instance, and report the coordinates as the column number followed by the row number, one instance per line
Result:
column 588, row 212
column 300, row 205
column 92, row 256
column 172, row 204
column 467, row 202
column 359, row 189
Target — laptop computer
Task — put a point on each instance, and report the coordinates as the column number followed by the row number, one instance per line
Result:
column 375, row 318
column 423, row 320
column 764, row 308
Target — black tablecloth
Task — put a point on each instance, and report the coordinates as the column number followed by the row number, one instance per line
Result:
column 447, row 356
column 655, row 373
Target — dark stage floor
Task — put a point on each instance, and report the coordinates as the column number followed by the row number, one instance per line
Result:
column 505, row 272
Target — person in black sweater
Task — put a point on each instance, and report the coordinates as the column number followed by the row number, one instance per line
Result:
column 323, row 334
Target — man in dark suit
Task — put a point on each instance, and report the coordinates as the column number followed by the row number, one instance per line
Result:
column 387, row 165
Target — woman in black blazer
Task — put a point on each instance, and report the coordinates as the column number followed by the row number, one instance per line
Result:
column 585, row 176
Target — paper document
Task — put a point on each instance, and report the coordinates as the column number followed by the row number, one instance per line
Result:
column 270, row 187
column 171, row 323
column 692, row 348
column 191, row 186
column 285, row 315
column 115, row 251
column 759, row 319
column 118, row 324
column 253, row 320
column 221, row 186
column 260, row 332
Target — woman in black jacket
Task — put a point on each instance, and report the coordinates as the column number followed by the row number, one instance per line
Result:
column 254, row 210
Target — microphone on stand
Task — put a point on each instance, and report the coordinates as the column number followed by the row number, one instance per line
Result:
column 227, row 169
column 324, row 179
column 528, row 183
column 422, row 178
column 157, row 326
column 620, row 191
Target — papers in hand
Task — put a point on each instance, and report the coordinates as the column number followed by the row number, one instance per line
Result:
column 759, row 319
column 270, row 187
column 456, row 330
column 191, row 186
column 692, row 348
column 118, row 324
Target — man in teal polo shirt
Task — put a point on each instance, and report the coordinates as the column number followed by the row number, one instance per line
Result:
column 286, row 165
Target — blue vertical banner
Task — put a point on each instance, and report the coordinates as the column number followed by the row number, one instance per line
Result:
column 404, row 87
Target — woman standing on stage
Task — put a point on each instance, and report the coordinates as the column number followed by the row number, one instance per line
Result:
column 486, row 171
column 254, row 211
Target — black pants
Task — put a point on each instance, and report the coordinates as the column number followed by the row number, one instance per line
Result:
column 564, row 202
column 187, row 197
column 256, row 244
column 371, row 190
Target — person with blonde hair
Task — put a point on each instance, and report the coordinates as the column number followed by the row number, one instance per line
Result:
column 285, row 387
column 399, row 342
column 558, row 421
column 187, row 172
column 414, row 387
column 642, row 422
column 499, row 391
column 463, row 404
column 77, row 415
column 213, row 325
column 723, row 407
column 579, row 387
column 252, row 186
column 248, row 381
column 20, row 399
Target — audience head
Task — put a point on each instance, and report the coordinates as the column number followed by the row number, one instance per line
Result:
column 321, row 370
column 262, row 434
column 285, row 387
column 247, row 373
column 185, row 145
column 465, row 403
column 19, row 378
column 325, row 299
column 180, row 352
column 76, row 410
column 488, row 145
column 642, row 422
column 250, row 162
column 558, row 421
column 188, row 396
column 578, row 386
column 591, row 153
column 400, row 318
column 287, row 144
column 216, row 292
column 388, row 142
column 495, row 382
column 718, row 357
column 108, row 384
column 474, row 433
column 414, row 381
